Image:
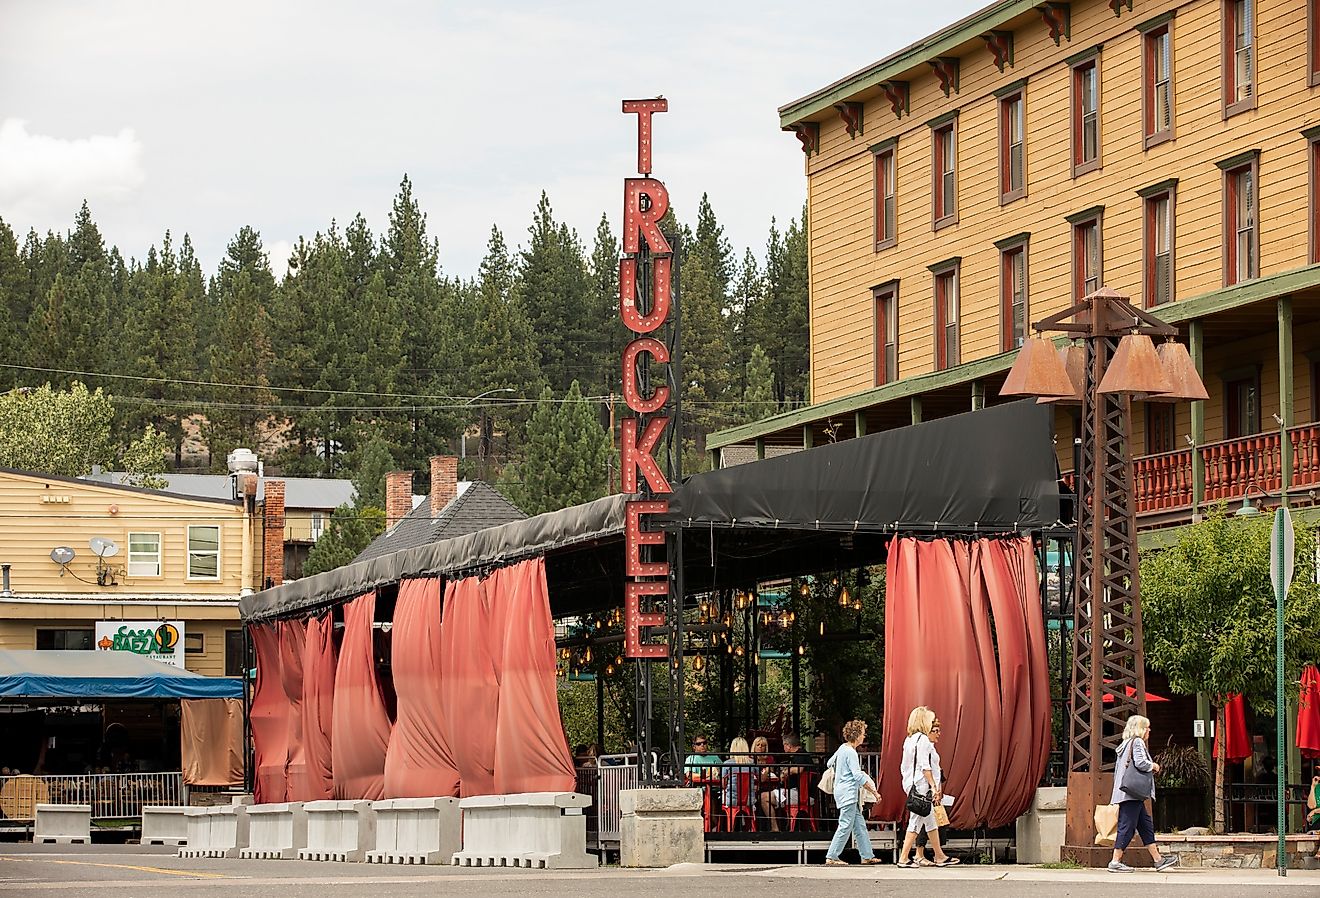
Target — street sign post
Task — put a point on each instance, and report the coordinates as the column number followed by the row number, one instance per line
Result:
column 1283, row 561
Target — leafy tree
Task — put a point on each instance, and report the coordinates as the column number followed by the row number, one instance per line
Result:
column 373, row 462
column 350, row 531
column 1209, row 621
column 66, row 432
column 565, row 457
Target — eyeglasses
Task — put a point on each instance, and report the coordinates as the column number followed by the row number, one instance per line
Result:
column 699, row 744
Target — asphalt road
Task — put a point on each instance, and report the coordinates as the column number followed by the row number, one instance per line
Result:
column 143, row 872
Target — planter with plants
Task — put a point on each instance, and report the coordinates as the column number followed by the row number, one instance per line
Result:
column 1182, row 788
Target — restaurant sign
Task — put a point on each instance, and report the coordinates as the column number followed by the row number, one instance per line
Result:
column 645, row 301
column 157, row 640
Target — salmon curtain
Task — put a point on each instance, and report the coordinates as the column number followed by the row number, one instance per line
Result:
column 269, row 716
column 469, row 686
column 293, row 634
column 318, row 698
column 361, row 725
column 211, row 741
column 419, row 762
column 965, row 636
column 531, row 751
column 1235, row 722
column 1308, row 713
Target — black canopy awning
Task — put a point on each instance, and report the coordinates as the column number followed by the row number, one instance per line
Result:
column 992, row 470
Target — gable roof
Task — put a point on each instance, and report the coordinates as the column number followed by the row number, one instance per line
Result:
column 90, row 481
column 299, row 492
column 477, row 506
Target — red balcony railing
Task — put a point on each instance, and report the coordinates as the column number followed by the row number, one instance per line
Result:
column 1233, row 465
column 1305, row 440
column 1163, row 481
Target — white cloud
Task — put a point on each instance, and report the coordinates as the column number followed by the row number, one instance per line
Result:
column 279, row 252
column 43, row 179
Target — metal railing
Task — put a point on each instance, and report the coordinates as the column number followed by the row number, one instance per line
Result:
column 112, row 796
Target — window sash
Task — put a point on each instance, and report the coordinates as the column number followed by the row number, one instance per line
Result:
column 144, row 555
column 1244, row 224
column 946, row 286
column 1013, row 136
column 1088, row 257
column 204, row 552
column 1242, row 50
column 1088, row 114
column 946, row 203
column 886, row 368
column 1160, row 48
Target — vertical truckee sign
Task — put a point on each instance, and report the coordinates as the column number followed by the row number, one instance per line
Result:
column 646, row 264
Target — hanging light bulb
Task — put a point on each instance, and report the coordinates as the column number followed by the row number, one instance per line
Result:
column 834, row 581
column 739, row 651
column 586, row 655
column 618, row 661
column 822, row 628
column 802, row 649
column 729, row 649
column 806, row 588
column 857, row 604
column 844, row 599
column 609, row 670
column 699, row 663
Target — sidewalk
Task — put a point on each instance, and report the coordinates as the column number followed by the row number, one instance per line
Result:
column 1190, row 877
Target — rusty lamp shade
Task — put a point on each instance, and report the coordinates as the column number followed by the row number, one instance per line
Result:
column 1073, row 357
column 1135, row 368
column 1037, row 371
column 1179, row 368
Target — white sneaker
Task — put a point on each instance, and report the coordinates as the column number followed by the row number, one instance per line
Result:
column 1119, row 867
column 1169, row 860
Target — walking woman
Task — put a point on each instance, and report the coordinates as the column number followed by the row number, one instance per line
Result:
column 1132, row 813
column 921, row 768
column 848, row 782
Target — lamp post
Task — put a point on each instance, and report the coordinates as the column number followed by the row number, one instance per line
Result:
column 1118, row 362
column 481, row 444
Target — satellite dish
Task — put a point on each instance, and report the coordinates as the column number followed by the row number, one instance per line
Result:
column 103, row 546
column 61, row 555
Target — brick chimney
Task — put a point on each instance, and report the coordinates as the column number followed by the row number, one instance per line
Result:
column 272, row 534
column 444, row 482
column 398, row 496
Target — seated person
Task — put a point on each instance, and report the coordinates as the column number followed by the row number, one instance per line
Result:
column 740, row 761
column 767, row 778
column 786, row 792
column 1313, row 804
column 701, row 764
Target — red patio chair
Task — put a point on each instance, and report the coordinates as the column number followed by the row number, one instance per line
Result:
column 806, row 781
column 742, row 800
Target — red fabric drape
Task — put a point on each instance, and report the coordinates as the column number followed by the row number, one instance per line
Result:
column 361, row 729
column 318, row 696
column 531, row 751
column 1308, row 713
column 1235, row 723
column 469, row 686
column 293, row 634
column 965, row 636
column 419, row 762
column 269, row 716
column 211, row 741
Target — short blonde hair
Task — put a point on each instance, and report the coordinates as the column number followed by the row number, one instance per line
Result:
column 853, row 729
column 921, row 720
column 760, row 745
column 738, row 750
column 1135, row 726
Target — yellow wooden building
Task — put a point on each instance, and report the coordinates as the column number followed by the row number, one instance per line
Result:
column 174, row 558
column 997, row 170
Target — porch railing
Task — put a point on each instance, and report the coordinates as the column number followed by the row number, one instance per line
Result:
column 1163, row 481
column 1232, row 465
column 112, row 796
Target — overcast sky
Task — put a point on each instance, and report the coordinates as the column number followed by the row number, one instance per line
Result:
column 285, row 115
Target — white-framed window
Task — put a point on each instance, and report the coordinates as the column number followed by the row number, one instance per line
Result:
column 204, row 552
column 318, row 525
column 144, row 555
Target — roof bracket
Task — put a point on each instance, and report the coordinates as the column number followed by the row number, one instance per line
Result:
column 899, row 95
column 946, row 69
column 808, row 134
column 851, row 114
column 1117, row 6
column 1000, row 44
column 1058, row 19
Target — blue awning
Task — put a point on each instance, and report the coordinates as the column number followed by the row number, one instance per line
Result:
column 104, row 675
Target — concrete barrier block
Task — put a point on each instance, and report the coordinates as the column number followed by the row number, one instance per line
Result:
column 339, row 831
column 275, row 831
column 62, row 824
column 1040, row 831
column 219, row 831
column 534, row 829
column 661, row 827
column 164, row 825
column 416, row 831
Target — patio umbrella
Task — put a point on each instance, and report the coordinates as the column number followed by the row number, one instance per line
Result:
column 1308, row 713
column 1132, row 693
column 1238, row 745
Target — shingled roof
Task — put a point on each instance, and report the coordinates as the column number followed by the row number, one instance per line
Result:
column 477, row 506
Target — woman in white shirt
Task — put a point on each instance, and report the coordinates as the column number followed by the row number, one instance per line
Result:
column 921, row 768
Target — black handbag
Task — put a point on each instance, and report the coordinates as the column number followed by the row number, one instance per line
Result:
column 1136, row 784
column 919, row 804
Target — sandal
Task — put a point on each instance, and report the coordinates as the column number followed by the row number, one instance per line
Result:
column 835, row 862
column 947, row 862
column 871, row 860
column 926, row 862
column 908, row 864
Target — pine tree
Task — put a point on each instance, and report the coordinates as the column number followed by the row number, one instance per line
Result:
column 371, row 463
column 603, row 314
column 553, row 287
column 15, row 305
column 349, row 532
column 758, row 398
column 778, row 318
column 564, row 462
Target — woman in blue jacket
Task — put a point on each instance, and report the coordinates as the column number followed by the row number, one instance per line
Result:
column 848, row 781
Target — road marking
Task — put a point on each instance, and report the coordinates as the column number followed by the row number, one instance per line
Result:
column 194, row 873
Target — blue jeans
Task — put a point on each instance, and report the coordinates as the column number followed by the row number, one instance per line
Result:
column 851, row 823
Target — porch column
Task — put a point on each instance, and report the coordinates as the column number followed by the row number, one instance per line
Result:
column 760, row 448
column 1196, row 347
column 859, row 423
column 916, row 409
column 714, row 459
column 1285, row 392
column 808, row 437
column 978, row 395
